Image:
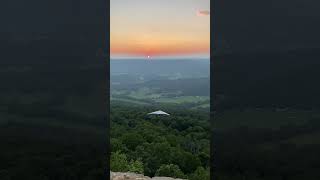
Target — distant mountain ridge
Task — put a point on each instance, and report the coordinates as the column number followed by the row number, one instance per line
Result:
column 195, row 67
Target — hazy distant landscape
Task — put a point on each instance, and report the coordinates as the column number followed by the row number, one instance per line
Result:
column 161, row 82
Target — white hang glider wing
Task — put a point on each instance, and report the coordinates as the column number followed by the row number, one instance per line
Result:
column 158, row 113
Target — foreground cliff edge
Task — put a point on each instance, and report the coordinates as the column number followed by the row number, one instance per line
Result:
column 133, row 176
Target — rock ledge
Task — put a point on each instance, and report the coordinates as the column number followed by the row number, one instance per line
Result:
column 133, row 176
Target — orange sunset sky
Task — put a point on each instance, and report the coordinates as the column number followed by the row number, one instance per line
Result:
column 141, row 28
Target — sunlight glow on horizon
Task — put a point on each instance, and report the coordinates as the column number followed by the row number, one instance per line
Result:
column 159, row 28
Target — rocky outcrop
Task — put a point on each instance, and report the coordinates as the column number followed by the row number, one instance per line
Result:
column 133, row 176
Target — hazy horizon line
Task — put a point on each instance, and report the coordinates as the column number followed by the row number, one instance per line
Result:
column 197, row 56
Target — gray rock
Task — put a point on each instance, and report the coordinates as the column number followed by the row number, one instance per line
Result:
column 133, row 176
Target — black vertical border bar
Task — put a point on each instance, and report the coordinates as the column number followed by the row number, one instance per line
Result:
column 105, row 57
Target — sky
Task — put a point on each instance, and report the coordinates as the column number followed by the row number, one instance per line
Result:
column 159, row 28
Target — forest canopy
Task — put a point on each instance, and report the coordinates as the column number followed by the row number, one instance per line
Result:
column 173, row 146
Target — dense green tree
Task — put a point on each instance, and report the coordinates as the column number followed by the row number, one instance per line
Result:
column 190, row 162
column 119, row 162
column 200, row 174
column 136, row 166
column 132, row 140
column 204, row 158
column 116, row 145
column 170, row 170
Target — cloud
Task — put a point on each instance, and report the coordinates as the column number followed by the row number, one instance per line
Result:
column 203, row 13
